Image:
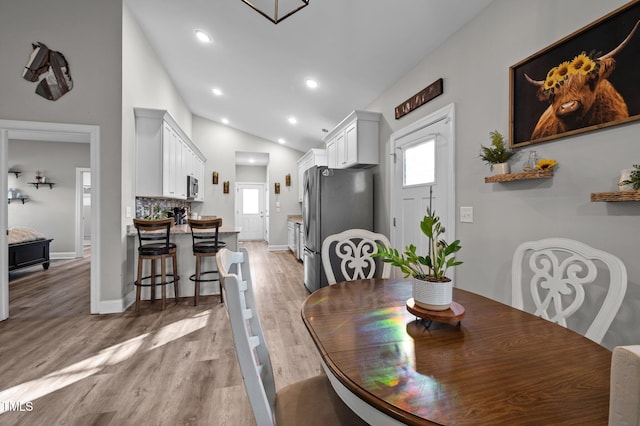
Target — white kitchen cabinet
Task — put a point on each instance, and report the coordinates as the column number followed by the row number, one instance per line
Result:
column 164, row 156
column 168, row 170
column 291, row 239
column 181, row 170
column 301, row 242
column 355, row 141
column 313, row 157
column 199, row 166
column 332, row 154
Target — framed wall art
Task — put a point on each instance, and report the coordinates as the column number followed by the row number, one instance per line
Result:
column 586, row 81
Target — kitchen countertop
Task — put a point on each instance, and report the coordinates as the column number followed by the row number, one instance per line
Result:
column 185, row 229
column 295, row 218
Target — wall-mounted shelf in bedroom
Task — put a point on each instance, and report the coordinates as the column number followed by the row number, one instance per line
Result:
column 616, row 196
column 23, row 199
column 15, row 172
column 37, row 184
column 535, row 174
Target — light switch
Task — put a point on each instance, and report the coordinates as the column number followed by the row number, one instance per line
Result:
column 466, row 214
column 128, row 211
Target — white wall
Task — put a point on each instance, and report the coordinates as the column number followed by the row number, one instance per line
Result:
column 89, row 34
column 475, row 63
column 51, row 211
column 219, row 144
column 251, row 174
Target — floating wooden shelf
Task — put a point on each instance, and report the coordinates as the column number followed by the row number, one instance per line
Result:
column 616, row 196
column 15, row 172
column 37, row 184
column 535, row 174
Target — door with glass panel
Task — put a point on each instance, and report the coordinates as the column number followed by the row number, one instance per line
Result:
column 250, row 210
column 423, row 177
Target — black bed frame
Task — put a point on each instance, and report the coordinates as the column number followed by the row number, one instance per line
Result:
column 29, row 253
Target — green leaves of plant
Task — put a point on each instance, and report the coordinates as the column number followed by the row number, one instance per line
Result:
column 497, row 152
column 441, row 255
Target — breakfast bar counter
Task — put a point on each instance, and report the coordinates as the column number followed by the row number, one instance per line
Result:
column 181, row 236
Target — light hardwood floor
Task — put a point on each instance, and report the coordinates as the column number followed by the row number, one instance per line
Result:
column 152, row 367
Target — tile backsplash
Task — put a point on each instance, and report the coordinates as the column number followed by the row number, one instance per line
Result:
column 145, row 206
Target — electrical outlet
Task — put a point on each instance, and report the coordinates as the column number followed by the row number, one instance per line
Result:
column 466, row 214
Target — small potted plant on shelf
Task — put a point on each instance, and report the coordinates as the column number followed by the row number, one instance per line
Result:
column 432, row 289
column 497, row 154
column 630, row 179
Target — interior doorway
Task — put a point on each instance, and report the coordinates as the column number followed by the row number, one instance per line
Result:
column 59, row 132
column 83, row 210
column 251, row 195
column 422, row 177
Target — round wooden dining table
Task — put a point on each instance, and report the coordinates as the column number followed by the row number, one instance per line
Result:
column 498, row 366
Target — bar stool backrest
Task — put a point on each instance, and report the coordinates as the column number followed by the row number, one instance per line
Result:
column 205, row 238
column 148, row 232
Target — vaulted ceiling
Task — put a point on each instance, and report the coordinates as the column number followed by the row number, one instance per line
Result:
column 353, row 49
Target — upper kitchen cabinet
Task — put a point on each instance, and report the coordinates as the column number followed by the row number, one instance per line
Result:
column 165, row 156
column 313, row 157
column 354, row 142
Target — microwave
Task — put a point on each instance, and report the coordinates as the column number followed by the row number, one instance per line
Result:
column 192, row 187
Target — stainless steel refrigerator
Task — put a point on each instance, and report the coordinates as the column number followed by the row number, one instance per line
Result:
column 334, row 200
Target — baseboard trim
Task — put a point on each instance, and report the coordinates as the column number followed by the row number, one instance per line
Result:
column 115, row 306
column 62, row 255
column 278, row 248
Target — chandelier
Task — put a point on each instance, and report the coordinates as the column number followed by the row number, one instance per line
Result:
column 279, row 13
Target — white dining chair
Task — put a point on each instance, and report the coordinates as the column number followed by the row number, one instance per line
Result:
column 624, row 402
column 308, row 402
column 346, row 256
column 557, row 270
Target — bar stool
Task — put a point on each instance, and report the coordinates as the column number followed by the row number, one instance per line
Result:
column 154, row 245
column 205, row 244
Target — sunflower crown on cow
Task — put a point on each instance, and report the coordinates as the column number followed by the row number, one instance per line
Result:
column 579, row 93
column 582, row 64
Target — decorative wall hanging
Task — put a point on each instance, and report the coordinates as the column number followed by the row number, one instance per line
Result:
column 287, row 180
column 215, row 178
column 57, row 80
column 572, row 87
column 278, row 14
column 425, row 95
column 225, row 187
column 277, row 188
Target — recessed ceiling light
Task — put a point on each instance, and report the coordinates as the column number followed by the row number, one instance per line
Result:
column 216, row 91
column 251, row 160
column 292, row 120
column 203, row 37
column 225, row 121
column 281, row 141
column 311, row 84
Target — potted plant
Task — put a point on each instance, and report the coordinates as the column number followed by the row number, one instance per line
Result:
column 497, row 154
column 432, row 289
column 630, row 179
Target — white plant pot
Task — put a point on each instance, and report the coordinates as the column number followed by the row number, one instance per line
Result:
column 625, row 174
column 431, row 295
column 501, row 169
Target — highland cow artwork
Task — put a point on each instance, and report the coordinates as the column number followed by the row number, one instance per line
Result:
column 584, row 82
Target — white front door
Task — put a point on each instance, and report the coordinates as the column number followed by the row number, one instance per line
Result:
column 250, row 210
column 422, row 165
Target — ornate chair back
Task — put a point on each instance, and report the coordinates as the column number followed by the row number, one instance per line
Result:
column 554, row 272
column 347, row 256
